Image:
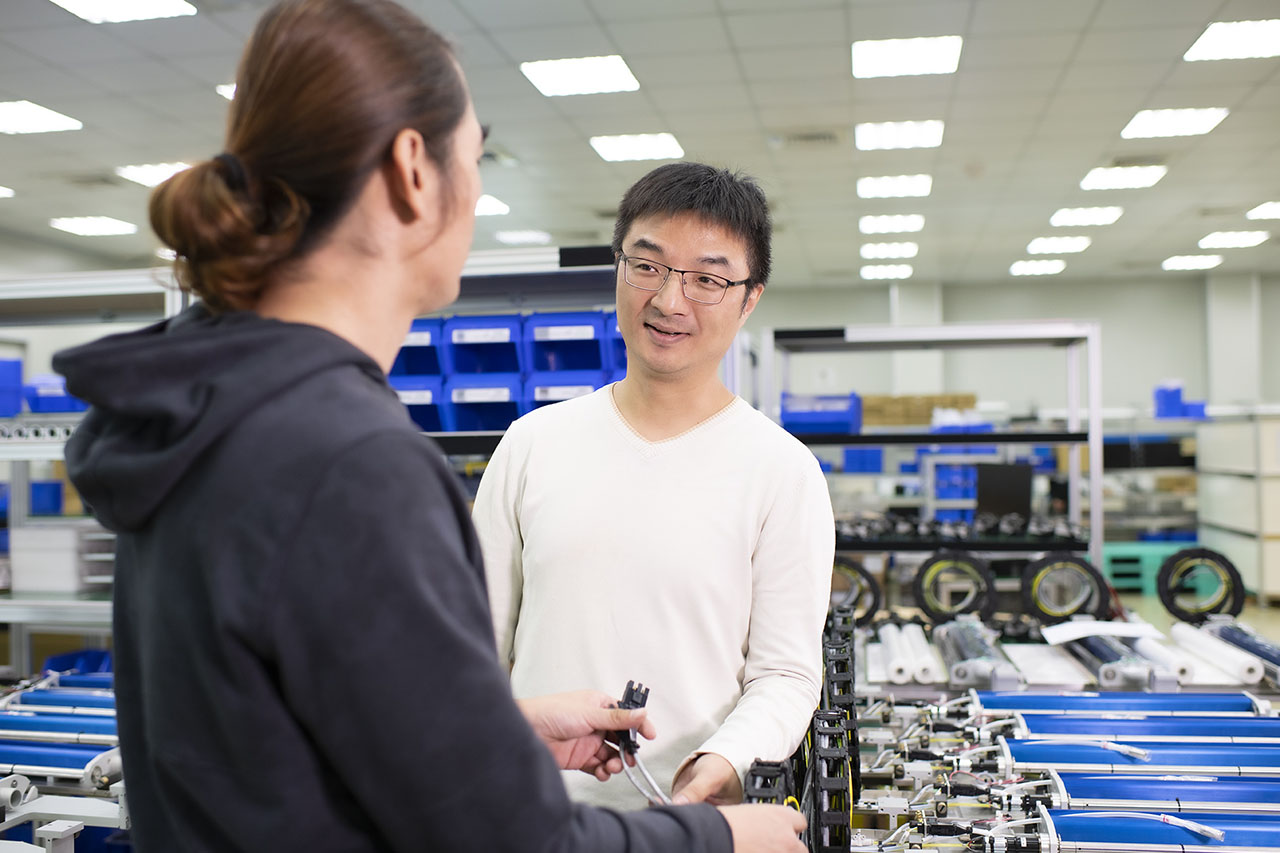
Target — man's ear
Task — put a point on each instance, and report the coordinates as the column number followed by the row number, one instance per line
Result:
column 413, row 184
column 749, row 304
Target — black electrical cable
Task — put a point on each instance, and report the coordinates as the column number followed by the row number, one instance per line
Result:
column 1182, row 572
column 955, row 566
column 1044, row 579
column 863, row 594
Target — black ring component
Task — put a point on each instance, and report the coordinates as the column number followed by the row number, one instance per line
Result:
column 1096, row 603
column 1176, row 570
column 864, row 590
column 982, row 602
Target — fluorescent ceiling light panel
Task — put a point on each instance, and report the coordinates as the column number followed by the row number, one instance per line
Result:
column 884, row 272
column 1236, row 40
column 1148, row 124
column 905, row 57
column 891, row 224
column 118, row 11
column 151, row 174
column 1234, row 239
column 1266, row 210
column 523, row 238
column 487, row 205
column 1123, row 177
column 1071, row 217
column 6, row 192
column 1191, row 262
column 226, row 90
column 1058, row 245
column 93, row 226
column 881, row 251
column 26, row 117
column 1046, row 267
column 883, row 135
column 637, row 146
column 895, row 186
column 588, row 75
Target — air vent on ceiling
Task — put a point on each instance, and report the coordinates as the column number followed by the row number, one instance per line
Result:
column 807, row 139
column 1139, row 160
column 91, row 180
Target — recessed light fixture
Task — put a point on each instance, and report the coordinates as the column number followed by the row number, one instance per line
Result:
column 1058, row 245
column 1191, row 262
column 93, row 226
column 26, row 117
column 119, row 11
column 905, row 57
column 637, row 146
column 1234, row 239
column 523, row 238
column 1236, row 40
column 1123, row 177
column 226, row 90
column 895, row 186
column 164, row 253
column 1266, row 210
column 891, row 223
column 151, row 174
column 883, row 135
column 1147, row 124
column 1039, row 267
column 6, row 192
column 883, row 272
column 883, row 251
column 487, row 205
column 1071, row 217
column 587, row 75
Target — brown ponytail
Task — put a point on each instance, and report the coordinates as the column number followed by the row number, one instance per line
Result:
column 322, row 89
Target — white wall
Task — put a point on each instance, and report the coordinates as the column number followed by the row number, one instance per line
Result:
column 35, row 345
column 1270, row 339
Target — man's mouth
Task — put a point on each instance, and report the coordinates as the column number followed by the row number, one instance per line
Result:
column 666, row 334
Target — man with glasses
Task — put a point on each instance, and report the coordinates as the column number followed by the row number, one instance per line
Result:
column 661, row 529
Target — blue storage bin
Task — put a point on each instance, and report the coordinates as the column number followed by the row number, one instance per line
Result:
column 483, row 401
column 565, row 341
column 423, row 396
column 483, row 345
column 47, row 393
column 420, row 353
column 821, row 413
column 45, row 498
column 4, row 540
column 85, row 660
column 552, row 386
column 615, row 349
column 1193, row 409
column 868, row 460
column 618, row 375
column 1168, row 401
column 10, row 387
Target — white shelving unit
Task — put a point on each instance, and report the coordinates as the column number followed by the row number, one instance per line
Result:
column 1077, row 340
column 1238, row 491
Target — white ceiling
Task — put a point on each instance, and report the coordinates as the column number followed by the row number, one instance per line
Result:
column 1042, row 92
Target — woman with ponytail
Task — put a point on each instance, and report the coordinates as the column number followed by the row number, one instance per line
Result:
column 303, row 652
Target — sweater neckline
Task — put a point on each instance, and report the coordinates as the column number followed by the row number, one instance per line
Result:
column 701, row 425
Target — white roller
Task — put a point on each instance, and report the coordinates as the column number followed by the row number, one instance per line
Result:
column 1157, row 652
column 897, row 657
column 924, row 663
column 1231, row 660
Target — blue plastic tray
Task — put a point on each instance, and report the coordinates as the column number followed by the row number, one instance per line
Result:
column 1150, row 703
column 1241, row 831
column 1187, row 728
column 1261, row 759
column 1208, row 789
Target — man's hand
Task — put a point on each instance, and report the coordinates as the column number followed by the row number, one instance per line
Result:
column 574, row 727
column 764, row 829
column 710, row 778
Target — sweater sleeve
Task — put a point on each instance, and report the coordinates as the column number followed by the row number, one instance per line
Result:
column 791, row 586
column 381, row 636
column 497, row 523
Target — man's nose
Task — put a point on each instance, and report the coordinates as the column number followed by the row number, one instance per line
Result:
column 670, row 299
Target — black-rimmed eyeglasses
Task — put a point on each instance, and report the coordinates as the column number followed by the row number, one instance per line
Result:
column 701, row 287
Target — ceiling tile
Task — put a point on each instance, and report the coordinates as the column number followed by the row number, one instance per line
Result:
column 909, row 20
column 176, row 37
column 502, row 14
column 1001, row 51
column 1031, row 16
column 780, row 29
column 563, row 42
column 699, row 34
column 1136, row 14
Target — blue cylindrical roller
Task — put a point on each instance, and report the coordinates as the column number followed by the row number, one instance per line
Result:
column 1152, row 703
column 68, row 723
column 1159, row 755
column 1105, row 649
column 1241, row 831
column 1188, row 727
column 90, row 680
column 72, row 756
column 69, row 698
column 1251, row 643
column 1210, row 789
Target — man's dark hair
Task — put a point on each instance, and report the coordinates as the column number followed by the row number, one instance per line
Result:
column 732, row 200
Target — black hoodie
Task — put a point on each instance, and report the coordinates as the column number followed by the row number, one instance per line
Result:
column 303, row 651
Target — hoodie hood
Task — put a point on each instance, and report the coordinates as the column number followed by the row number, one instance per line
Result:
column 162, row 395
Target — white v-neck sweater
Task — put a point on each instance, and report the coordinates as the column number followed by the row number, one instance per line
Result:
column 699, row 565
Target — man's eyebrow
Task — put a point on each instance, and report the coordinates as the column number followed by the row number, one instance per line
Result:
column 646, row 244
column 719, row 260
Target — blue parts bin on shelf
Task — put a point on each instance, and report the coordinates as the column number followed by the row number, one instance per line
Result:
column 47, row 393
column 615, row 349
column 420, row 353
column 423, row 396
column 1169, row 403
column 822, row 413
column 552, row 386
column 97, row 661
column 45, row 498
column 565, row 341
column 484, row 401
column 864, row 460
column 490, row 344
column 10, row 387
